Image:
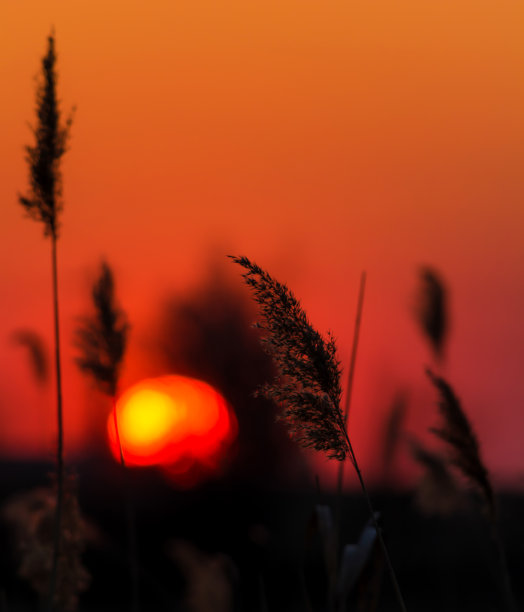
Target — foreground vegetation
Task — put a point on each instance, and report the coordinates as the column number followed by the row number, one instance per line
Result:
column 51, row 533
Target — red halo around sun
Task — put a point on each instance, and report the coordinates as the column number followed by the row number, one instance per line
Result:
column 178, row 423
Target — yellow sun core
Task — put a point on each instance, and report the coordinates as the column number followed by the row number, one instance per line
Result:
column 148, row 416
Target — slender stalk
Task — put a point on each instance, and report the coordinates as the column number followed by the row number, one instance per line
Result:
column 60, row 442
column 351, row 374
column 130, row 521
column 392, row 574
column 353, row 360
column 347, row 403
column 117, row 432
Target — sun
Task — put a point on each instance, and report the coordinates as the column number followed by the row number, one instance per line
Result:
column 178, row 423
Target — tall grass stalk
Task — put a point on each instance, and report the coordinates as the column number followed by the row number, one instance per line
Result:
column 60, row 440
column 347, row 405
column 393, row 576
column 308, row 382
column 102, row 340
column 44, row 204
column 464, row 454
column 349, row 389
column 131, row 528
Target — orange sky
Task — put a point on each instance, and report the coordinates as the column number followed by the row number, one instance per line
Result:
column 318, row 138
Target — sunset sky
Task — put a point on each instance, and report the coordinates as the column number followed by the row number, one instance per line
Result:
column 317, row 138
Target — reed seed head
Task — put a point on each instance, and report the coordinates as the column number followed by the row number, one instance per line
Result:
column 432, row 309
column 102, row 337
column 462, row 444
column 308, row 383
column 44, row 199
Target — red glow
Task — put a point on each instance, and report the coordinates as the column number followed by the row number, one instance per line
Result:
column 178, row 423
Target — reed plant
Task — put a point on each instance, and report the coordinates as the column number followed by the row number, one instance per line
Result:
column 432, row 310
column 464, row 455
column 101, row 339
column 307, row 387
column 349, row 390
column 43, row 202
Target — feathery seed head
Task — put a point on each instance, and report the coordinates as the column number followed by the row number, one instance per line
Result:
column 432, row 309
column 102, row 338
column 457, row 433
column 437, row 491
column 308, row 385
column 44, row 200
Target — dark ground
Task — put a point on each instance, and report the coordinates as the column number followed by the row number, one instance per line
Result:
column 444, row 564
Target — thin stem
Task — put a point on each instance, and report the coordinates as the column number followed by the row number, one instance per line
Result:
column 349, row 389
column 392, row 574
column 117, row 432
column 353, row 360
column 60, row 442
column 351, row 374
column 130, row 521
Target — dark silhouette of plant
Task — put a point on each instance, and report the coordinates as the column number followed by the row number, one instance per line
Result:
column 464, row 454
column 438, row 491
column 102, row 339
column 308, row 386
column 30, row 516
column 37, row 352
column 345, row 568
column 44, row 203
column 457, row 433
column 347, row 402
column 44, row 200
column 432, row 309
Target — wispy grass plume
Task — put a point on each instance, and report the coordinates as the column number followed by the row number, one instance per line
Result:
column 462, row 444
column 438, row 491
column 308, row 386
column 102, row 337
column 37, row 352
column 432, row 309
column 463, row 447
column 44, row 199
column 43, row 202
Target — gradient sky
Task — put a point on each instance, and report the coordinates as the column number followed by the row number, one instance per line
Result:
column 317, row 138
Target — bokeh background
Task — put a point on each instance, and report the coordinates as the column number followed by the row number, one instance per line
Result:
column 318, row 139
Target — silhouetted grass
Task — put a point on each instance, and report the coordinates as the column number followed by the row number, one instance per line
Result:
column 101, row 339
column 37, row 351
column 44, row 203
column 308, row 385
column 432, row 310
column 464, row 454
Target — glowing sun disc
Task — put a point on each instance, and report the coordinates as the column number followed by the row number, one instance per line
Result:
column 172, row 421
